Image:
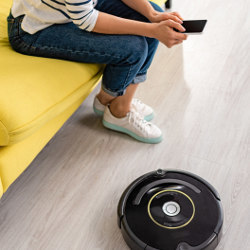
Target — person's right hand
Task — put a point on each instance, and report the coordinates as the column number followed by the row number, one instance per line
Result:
column 164, row 32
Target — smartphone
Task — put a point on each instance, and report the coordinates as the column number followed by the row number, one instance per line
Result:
column 193, row 26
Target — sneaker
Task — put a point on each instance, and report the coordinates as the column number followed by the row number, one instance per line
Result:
column 134, row 125
column 136, row 105
column 98, row 107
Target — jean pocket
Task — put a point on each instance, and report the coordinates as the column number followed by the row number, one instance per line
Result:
column 10, row 21
column 14, row 25
column 11, row 32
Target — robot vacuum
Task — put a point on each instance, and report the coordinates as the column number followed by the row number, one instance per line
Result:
column 170, row 210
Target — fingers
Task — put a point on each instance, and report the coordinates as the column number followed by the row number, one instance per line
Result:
column 168, row 36
column 175, row 18
column 167, row 16
column 177, row 14
column 180, row 36
column 177, row 42
column 174, row 42
column 175, row 25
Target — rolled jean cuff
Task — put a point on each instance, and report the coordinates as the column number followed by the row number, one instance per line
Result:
column 113, row 93
column 140, row 78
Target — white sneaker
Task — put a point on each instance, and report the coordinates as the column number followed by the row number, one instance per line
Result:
column 136, row 105
column 98, row 107
column 134, row 125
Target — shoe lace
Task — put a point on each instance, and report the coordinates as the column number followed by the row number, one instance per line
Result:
column 137, row 120
column 136, row 102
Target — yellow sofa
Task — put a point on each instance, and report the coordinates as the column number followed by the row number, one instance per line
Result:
column 36, row 98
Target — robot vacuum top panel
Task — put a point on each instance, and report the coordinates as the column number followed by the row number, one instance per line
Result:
column 170, row 210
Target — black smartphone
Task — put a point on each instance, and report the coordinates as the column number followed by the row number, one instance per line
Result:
column 193, row 26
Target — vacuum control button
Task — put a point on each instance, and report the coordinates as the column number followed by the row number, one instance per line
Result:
column 171, row 208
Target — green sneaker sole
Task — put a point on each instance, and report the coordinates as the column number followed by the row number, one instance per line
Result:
column 98, row 112
column 128, row 132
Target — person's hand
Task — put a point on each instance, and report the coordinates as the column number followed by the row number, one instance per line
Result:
column 161, row 16
column 164, row 32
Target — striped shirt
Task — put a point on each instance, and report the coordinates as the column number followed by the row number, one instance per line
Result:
column 40, row 14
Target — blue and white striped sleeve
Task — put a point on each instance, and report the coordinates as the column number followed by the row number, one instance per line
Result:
column 82, row 13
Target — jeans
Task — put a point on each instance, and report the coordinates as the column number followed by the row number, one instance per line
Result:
column 127, row 57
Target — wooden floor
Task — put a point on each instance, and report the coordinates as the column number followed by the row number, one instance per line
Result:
column 200, row 91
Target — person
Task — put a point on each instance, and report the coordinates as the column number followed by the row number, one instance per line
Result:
column 122, row 34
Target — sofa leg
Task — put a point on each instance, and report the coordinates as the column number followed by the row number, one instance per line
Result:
column 168, row 4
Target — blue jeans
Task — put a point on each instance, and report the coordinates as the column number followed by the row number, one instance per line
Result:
column 127, row 57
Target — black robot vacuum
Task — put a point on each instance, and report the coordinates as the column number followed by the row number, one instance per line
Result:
column 170, row 210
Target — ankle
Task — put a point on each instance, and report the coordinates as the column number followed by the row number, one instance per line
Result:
column 104, row 98
column 118, row 111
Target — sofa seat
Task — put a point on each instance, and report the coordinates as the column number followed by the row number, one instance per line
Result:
column 34, row 90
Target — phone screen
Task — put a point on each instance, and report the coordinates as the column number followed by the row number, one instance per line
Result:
column 193, row 26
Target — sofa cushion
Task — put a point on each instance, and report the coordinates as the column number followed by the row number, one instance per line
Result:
column 34, row 90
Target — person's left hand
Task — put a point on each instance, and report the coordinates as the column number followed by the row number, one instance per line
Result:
column 161, row 16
